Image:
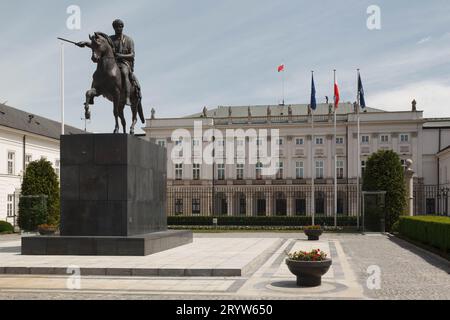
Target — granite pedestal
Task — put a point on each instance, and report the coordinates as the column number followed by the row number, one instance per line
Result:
column 113, row 199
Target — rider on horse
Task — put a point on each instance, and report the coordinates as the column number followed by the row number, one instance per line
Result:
column 125, row 55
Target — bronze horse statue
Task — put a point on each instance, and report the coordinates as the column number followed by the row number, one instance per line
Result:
column 108, row 82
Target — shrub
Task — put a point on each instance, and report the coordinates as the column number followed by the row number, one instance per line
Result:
column 429, row 230
column 6, row 227
column 384, row 172
column 395, row 227
column 32, row 212
column 40, row 179
column 298, row 221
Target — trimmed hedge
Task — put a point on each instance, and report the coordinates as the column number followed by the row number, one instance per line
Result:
column 6, row 227
column 429, row 230
column 259, row 221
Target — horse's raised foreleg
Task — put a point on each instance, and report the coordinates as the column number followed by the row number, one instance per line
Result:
column 90, row 95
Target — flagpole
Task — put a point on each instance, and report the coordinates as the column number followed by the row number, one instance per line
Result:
column 313, row 209
column 282, row 83
column 62, row 88
column 335, row 158
column 358, row 204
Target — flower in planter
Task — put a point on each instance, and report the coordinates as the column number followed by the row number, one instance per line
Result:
column 314, row 255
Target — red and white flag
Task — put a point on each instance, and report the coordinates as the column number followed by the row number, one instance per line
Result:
column 336, row 94
column 281, row 68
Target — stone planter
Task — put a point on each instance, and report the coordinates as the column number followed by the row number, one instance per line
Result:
column 46, row 231
column 313, row 234
column 309, row 273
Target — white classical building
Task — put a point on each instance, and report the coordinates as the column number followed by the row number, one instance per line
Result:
column 238, row 188
column 24, row 138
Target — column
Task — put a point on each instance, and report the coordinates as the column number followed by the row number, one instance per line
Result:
column 269, row 210
column 409, row 182
column 230, row 204
column 249, row 204
column 290, row 205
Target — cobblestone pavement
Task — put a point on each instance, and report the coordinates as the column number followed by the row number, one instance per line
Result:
column 407, row 272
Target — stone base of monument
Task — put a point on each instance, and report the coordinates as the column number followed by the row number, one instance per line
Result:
column 113, row 199
column 105, row 246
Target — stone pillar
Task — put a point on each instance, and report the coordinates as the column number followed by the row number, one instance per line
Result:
column 409, row 182
column 230, row 204
column 249, row 205
column 289, row 205
column 269, row 210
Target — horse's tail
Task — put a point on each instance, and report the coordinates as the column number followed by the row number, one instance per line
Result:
column 141, row 112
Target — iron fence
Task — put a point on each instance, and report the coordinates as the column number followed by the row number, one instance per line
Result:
column 431, row 199
column 252, row 200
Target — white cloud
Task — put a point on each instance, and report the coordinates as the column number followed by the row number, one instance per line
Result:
column 424, row 40
column 432, row 97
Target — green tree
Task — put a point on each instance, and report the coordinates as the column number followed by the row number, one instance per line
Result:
column 40, row 180
column 384, row 172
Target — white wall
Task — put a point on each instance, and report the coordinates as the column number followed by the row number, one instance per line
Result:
column 12, row 141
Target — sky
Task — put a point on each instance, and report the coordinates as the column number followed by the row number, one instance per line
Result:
column 196, row 53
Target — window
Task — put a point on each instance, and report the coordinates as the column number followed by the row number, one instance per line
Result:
column 11, row 163
column 259, row 167
column 280, row 141
column 196, row 171
column 319, row 141
column 196, row 206
column 178, row 171
column 161, row 143
column 299, row 141
column 57, row 166
column 28, row 159
column 339, row 140
column 280, row 170
column 242, row 205
column 178, row 206
column 10, row 206
column 340, row 169
column 178, row 143
column 221, row 171
column 319, row 169
column 363, row 167
column 404, row 138
column 299, row 170
column 195, row 143
column 384, row 138
column 240, row 171
column 365, row 139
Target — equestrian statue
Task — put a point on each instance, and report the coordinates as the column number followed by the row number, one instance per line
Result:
column 114, row 78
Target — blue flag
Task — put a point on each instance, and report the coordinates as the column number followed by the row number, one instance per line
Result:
column 313, row 104
column 362, row 101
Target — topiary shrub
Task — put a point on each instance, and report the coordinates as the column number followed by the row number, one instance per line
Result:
column 384, row 172
column 6, row 227
column 430, row 230
column 32, row 212
column 40, row 180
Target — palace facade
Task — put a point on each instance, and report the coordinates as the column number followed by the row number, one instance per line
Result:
column 233, row 188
